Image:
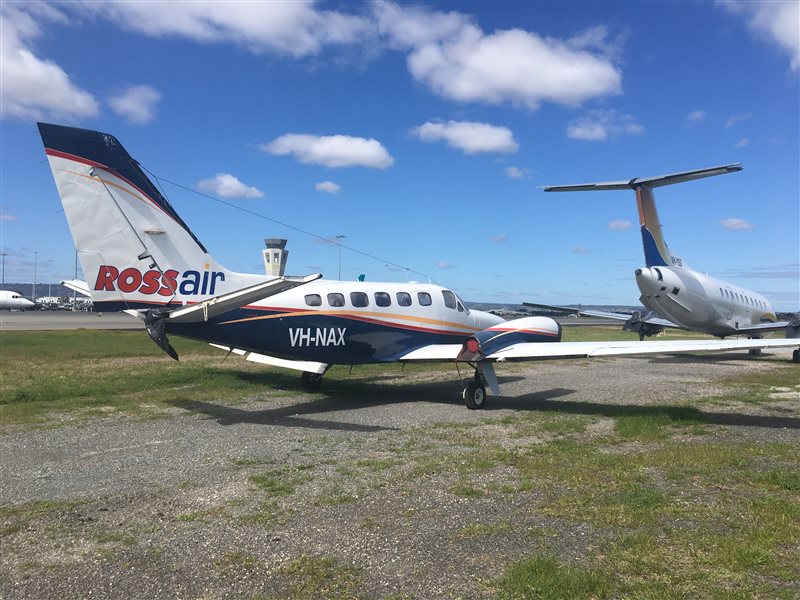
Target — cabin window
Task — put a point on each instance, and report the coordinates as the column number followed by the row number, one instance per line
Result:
column 383, row 299
column 403, row 298
column 449, row 298
column 424, row 299
column 313, row 300
column 336, row 299
column 359, row 299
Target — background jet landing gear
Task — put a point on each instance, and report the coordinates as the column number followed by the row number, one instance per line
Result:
column 796, row 356
column 310, row 382
column 474, row 394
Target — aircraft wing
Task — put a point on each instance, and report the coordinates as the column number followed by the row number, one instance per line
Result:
column 550, row 350
column 654, row 320
column 763, row 328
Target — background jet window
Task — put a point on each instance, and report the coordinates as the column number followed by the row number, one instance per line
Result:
column 359, row 299
column 424, row 298
column 383, row 299
column 404, row 298
column 449, row 298
column 336, row 299
column 313, row 300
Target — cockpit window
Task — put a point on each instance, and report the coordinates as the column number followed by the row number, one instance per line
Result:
column 659, row 273
column 449, row 299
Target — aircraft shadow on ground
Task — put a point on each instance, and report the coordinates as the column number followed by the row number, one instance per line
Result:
column 712, row 359
column 344, row 395
column 687, row 414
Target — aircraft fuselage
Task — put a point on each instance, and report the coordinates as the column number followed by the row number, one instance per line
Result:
column 697, row 301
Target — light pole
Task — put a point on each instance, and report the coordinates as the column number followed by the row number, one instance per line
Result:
column 35, row 265
column 3, row 258
column 340, row 238
column 49, row 278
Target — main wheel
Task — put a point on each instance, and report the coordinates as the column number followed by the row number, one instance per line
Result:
column 796, row 356
column 474, row 395
column 310, row 382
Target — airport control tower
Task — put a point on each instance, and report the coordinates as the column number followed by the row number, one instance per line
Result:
column 275, row 255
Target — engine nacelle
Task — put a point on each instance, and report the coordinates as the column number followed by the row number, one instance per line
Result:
column 527, row 329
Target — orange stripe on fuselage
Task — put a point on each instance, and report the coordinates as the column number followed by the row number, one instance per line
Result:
column 374, row 317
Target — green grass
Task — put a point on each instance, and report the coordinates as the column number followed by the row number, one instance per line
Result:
column 279, row 482
column 543, row 577
column 314, row 577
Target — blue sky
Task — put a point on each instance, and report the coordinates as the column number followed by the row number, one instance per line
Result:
column 422, row 132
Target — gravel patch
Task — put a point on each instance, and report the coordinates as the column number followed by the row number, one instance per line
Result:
column 169, row 508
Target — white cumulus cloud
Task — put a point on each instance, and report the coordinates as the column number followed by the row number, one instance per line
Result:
column 742, row 143
column 599, row 125
column 736, row 119
column 468, row 136
column 776, row 22
column 500, row 238
column 226, row 185
column 735, row 224
column 331, row 150
column 137, row 103
column 696, row 116
column 34, row 87
column 443, row 264
column 7, row 217
column 297, row 29
column 620, row 225
column 513, row 66
column 516, row 172
column 328, row 187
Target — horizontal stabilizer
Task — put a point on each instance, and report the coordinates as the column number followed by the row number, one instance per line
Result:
column 652, row 182
column 77, row 285
column 203, row 311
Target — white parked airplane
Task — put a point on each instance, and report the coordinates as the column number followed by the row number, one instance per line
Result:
column 139, row 256
column 676, row 295
column 14, row 301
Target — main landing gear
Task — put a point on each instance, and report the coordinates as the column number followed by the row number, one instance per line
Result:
column 796, row 356
column 310, row 382
column 474, row 393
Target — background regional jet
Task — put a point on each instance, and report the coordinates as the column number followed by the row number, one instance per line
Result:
column 14, row 301
column 139, row 256
column 674, row 294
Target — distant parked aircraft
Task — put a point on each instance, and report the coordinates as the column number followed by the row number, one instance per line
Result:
column 139, row 256
column 14, row 301
column 676, row 295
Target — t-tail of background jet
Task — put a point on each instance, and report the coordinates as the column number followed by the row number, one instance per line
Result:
column 136, row 252
column 656, row 251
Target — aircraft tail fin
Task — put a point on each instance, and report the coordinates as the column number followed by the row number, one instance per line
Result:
column 656, row 251
column 134, row 248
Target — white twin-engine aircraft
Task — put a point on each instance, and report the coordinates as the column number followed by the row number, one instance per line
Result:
column 669, row 288
column 140, row 257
